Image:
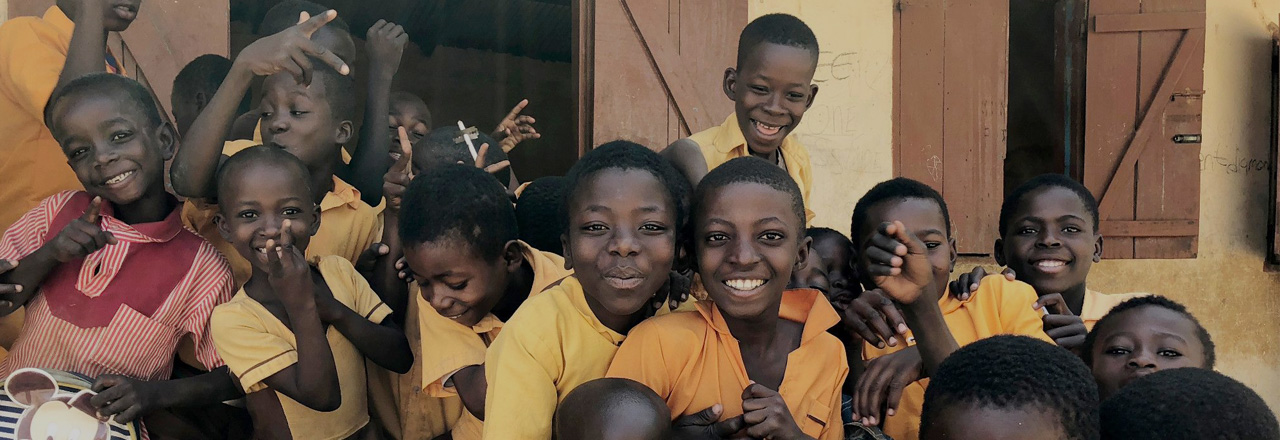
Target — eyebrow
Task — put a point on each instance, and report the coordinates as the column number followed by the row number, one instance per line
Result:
column 767, row 78
column 1160, row 334
column 115, row 120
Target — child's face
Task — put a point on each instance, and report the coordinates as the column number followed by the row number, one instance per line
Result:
column 116, row 153
column 771, row 91
column 298, row 118
column 621, row 239
column 748, row 243
column 976, row 422
column 415, row 119
column 456, row 281
column 1050, row 241
column 255, row 205
column 922, row 216
column 1142, row 341
column 833, row 255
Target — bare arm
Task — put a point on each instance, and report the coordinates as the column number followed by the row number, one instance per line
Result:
column 369, row 159
column 687, row 157
column 472, row 386
column 384, row 344
column 196, row 163
column 87, row 53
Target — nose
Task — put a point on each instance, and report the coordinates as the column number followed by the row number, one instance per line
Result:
column 773, row 105
column 278, row 124
column 1142, row 360
column 1048, row 239
column 437, row 301
column 624, row 243
column 105, row 154
column 743, row 253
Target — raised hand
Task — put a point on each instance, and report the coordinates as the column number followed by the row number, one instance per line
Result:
column 385, row 45
column 482, row 163
column 1066, row 329
column 400, row 174
column 287, row 269
column 899, row 263
column 82, row 236
column 515, row 128
column 880, row 386
column 289, row 50
column 766, row 414
column 874, row 317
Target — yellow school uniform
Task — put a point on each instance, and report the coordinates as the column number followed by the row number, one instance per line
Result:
column 551, row 345
column 256, row 345
column 693, row 362
column 725, row 142
column 348, row 226
column 1097, row 304
column 998, row 307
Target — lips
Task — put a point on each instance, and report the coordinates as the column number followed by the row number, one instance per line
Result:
column 766, row 130
column 1050, row 266
column 744, row 287
column 118, row 179
column 126, row 11
column 623, row 278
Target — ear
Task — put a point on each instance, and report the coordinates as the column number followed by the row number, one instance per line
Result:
column 343, row 135
column 201, row 100
column 730, row 80
column 998, row 252
column 813, row 93
column 1097, row 250
column 315, row 223
column 80, row 402
column 512, row 256
column 802, row 253
column 168, row 138
column 31, row 387
column 223, row 229
column 568, row 251
column 951, row 242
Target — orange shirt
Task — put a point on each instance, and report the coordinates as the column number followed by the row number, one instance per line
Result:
column 32, row 53
column 693, row 362
column 998, row 307
column 1097, row 304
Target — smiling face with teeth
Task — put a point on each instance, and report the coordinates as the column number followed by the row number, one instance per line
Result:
column 771, row 90
column 1051, row 242
column 114, row 149
column 256, row 194
column 749, row 241
column 457, row 282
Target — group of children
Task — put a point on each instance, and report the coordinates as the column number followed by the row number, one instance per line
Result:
column 321, row 280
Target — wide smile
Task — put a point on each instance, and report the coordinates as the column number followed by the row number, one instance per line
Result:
column 118, row 180
column 744, row 287
column 1051, row 266
column 766, row 130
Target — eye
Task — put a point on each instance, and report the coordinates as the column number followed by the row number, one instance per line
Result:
column 1169, row 353
column 78, row 152
column 1071, row 229
column 121, row 135
column 772, row 236
column 795, row 96
column 267, row 115
column 247, row 214
column 716, row 237
column 459, row 286
column 932, row 244
column 594, row 227
column 1026, row 231
column 298, row 112
column 760, row 89
column 291, row 211
column 652, row 227
column 1117, row 351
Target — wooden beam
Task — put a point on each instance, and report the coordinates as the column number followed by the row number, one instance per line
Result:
column 1149, row 228
column 1158, row 21
column 1189, row 48
column 674, row 77
column 584, row 48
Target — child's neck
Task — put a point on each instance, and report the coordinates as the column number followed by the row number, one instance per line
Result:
column 769, row 157
column 155, row 206
column 618, row 323
column 756, row 331
column 519, row 288
column 322, row 184
column 1074, row 297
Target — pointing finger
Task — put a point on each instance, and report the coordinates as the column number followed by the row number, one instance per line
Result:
column 93, row 212
column 309, row 25
column 515, row 111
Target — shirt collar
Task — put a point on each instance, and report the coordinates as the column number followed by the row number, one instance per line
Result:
column 342, row 194
column 729, row 140
column 806, row 306
column 154, row 232
column 578, row 298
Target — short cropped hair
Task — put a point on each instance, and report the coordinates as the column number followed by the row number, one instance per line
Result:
column 1011, row 372
column 339, row 89
column 445, row 146
column 1210, row 358
column 589, row 408
column 750, row 169
column 458, row 201
column 821, row 233
column 98, row 84
column 203, row 74
column 537, row 212
column 1015, row 198
column 781, row 29
column 627, row 155
column 900, row 188
column 285, row 14
column 259, row 155
column 1187, row 404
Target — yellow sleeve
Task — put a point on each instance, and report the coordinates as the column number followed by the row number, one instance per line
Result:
column 250, row 352
column 522, row 368
column 642, row 358
column 230, row 148
column 355, row 291
column 29, row 64
column 446, row 347
column 1016, row 313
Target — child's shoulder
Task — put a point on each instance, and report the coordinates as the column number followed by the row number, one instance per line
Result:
column 24, row 25
column 681, row 325
column 997, row 289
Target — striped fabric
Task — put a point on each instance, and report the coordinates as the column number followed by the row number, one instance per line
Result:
column 123, row 309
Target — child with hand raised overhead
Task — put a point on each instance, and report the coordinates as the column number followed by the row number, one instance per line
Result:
column 297, row 334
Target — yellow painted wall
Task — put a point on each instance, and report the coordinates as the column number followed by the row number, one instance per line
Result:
column 848, row 132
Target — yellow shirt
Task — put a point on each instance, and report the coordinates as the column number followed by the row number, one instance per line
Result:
column 32, row 53
column 1097, row 304
column 256, row 345
column 527, row 365
column 348, row 226
column 693, row 362
column 720, row 144
column 998, row 307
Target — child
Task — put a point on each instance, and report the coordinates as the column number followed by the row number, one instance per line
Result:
column 458, row 230
column 408, row 111
column 622, row 208
column 1011, row 387
column 536, row 213
column 758, row 351
column 771, row 88
column 37, row 56
column 111, row 279
column 445, row 145
column 195, row 85
column 1187, row 404
column 310, row 122
column 832, row 251
column 297, row 334
column 612, row 409
column 999, row 306
column 1144, row 335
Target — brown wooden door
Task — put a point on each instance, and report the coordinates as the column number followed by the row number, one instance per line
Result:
column 650, row 71
column 1143, row 92
column 951, row 71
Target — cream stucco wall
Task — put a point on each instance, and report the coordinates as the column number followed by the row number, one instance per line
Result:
column 848, row 132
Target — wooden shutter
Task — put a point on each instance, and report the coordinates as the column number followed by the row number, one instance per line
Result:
column 1143, row 91
column 1273, row 226
column 951, row 95
column 651, row 71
